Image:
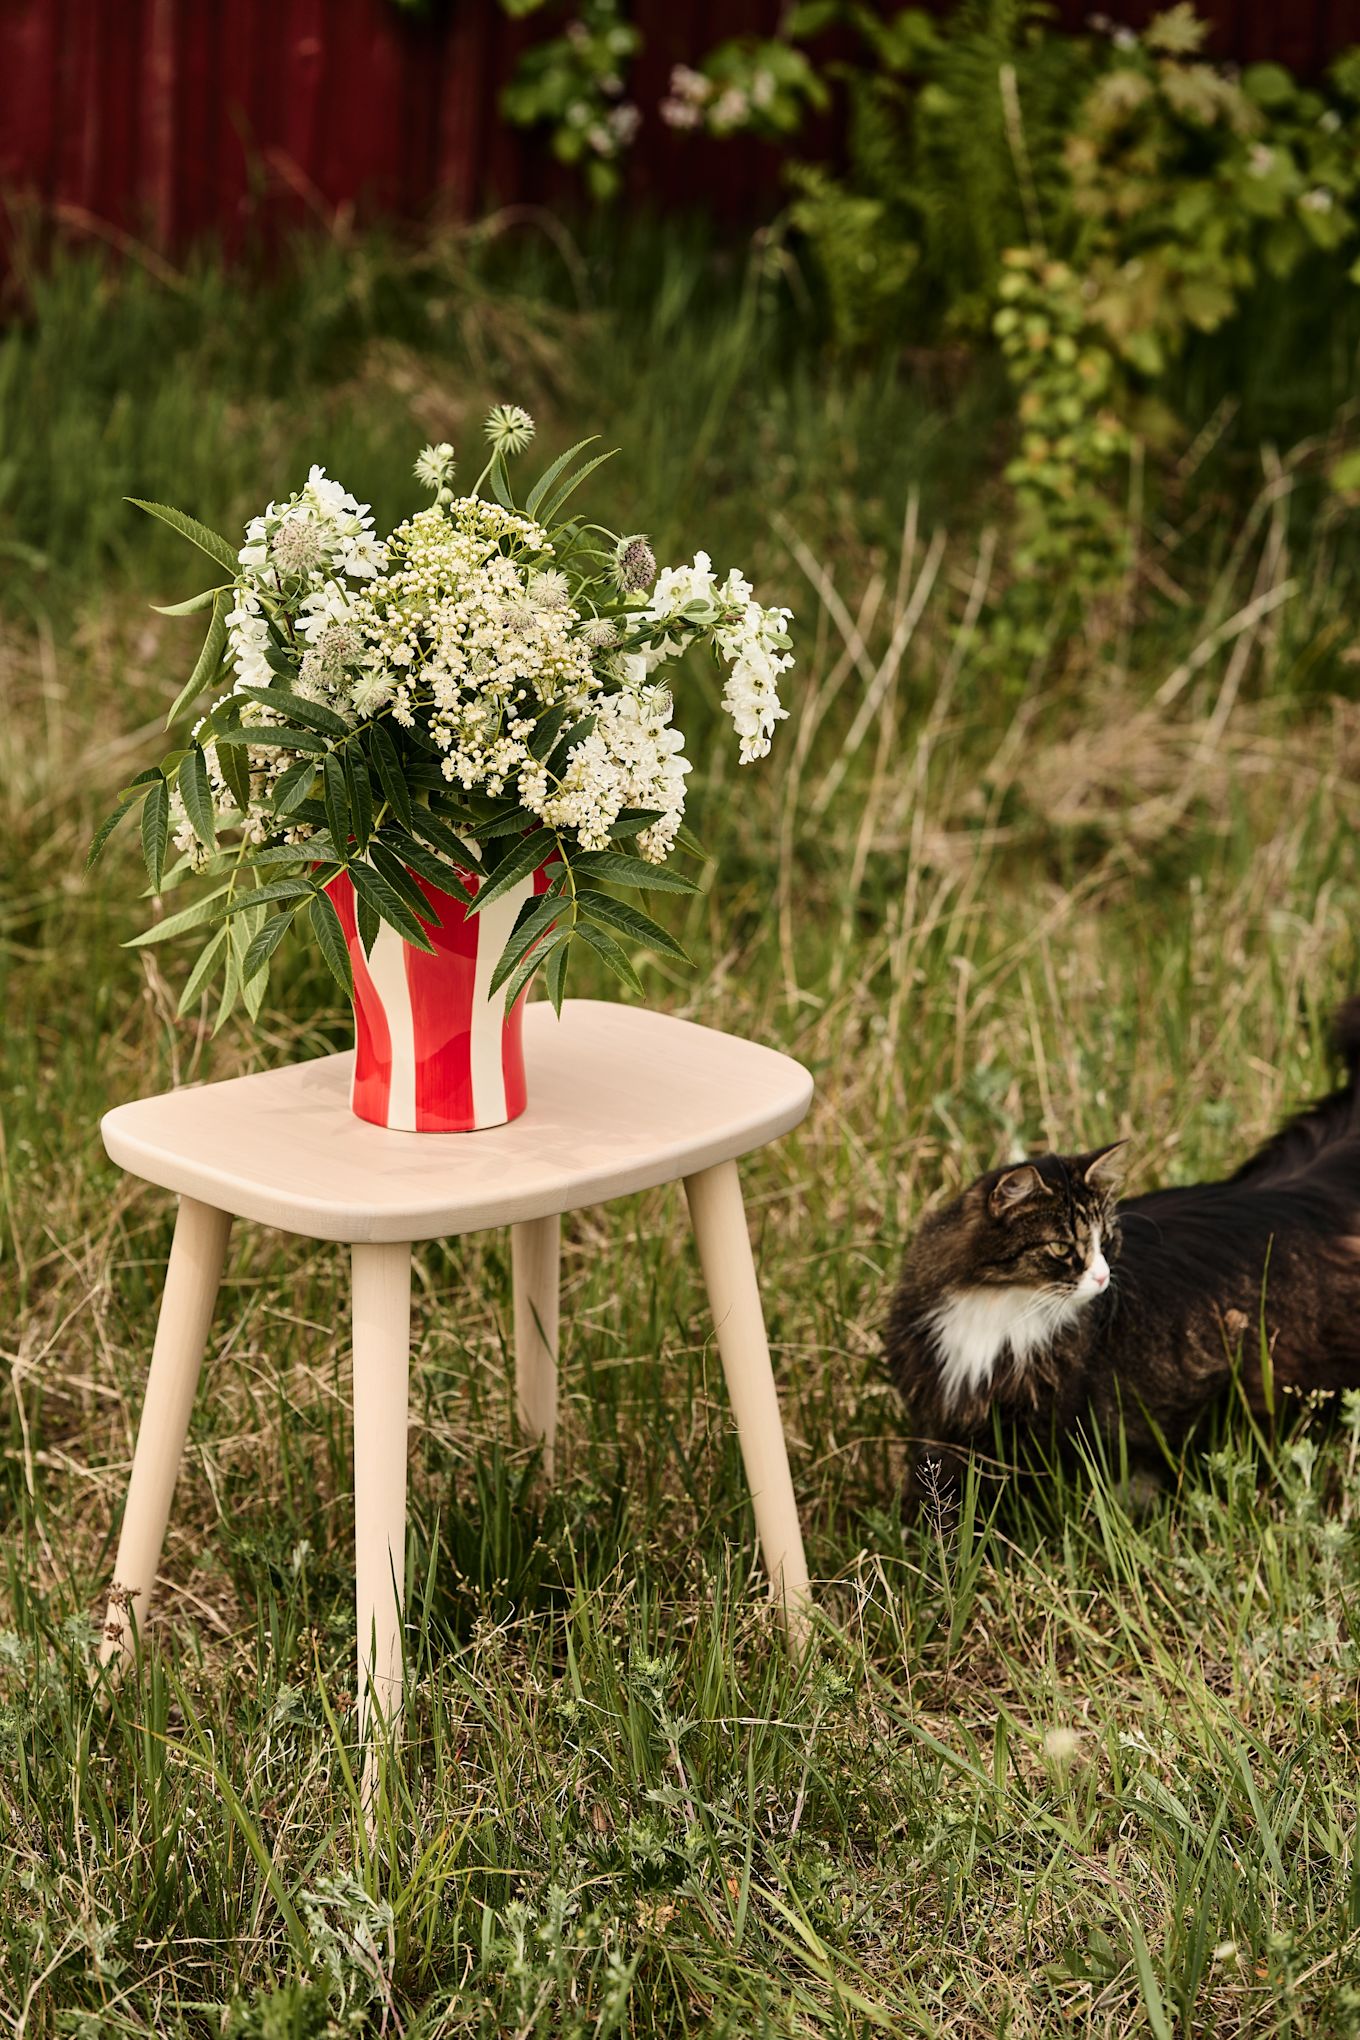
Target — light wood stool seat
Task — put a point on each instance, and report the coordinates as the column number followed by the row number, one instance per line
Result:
column 620, row 1100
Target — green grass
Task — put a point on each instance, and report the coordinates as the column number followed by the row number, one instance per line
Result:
column 1085, row 1764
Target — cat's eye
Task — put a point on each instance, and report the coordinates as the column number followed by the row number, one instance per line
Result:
column 1059, row 1251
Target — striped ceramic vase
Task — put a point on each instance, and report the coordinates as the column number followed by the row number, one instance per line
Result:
column 433, row 1053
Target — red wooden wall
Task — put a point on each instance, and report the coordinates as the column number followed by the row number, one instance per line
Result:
column 164, row 119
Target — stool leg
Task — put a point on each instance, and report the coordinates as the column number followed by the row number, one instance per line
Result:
column 719, row 1220
column 191, row 1284
column 382, row 1365
column 535, row 1251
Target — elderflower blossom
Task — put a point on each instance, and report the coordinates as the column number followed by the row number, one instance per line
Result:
column 631, row 758
column 473, row 640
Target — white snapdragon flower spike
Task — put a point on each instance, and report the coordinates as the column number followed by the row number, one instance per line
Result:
column 752, row 640
column 632, row 758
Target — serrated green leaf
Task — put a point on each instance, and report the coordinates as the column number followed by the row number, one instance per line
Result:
column 196, row 793
column 525, row 857
column 311, row 713
column 550, row 474
column 265, row 941
column 546, row 729
column 604, row 945
column 629, row 920
column 614, row 868
column 360, row 791
column 426, row 864
column 534, row 960
column 266, row 895
column 127, row 799
column 206, row 665
column 336, row 796
column 534, row 920
column 499, row 481
column 203, row 970
column 330, row 940
column 555, row 975
column 212, row 907
column 293, row 787
column 209, row 542
column 440, row 836
column 401, row 881
column 387, row 764
column 270, row 737
column 632, row 822
column 155, row 828
column 389, row 906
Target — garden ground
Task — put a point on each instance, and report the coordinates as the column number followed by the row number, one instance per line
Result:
column 1084, row 1763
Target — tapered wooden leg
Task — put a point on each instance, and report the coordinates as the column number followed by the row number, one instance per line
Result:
column 382, row 1365
column 719, row 1220
column 535, row 1251
column 191, row 1284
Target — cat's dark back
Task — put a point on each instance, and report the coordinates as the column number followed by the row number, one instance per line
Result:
column 1001, row 1308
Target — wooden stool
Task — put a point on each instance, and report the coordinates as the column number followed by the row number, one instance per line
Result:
column 620, row 1100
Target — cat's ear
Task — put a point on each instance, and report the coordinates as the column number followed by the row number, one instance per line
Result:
column 1104, row 1170
column 1014, row 1188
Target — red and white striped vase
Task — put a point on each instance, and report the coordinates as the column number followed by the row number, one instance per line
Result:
column 433, row 1053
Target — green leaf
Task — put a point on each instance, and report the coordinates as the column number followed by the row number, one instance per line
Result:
column 526, row 856
column 270, row 737
column 128, row 798
column 197, row 534
column 500, row 482
column 206, row 665
column 202, row 971
column 368, row 921
column 265, row 941
column 387, row 763
column 535, row 919
column 294, row 786
column 203, row 600
column 629, row 920
column 532, row 961
column 424, row 862
column 549, row 475
column 389, row 905
column 360, row 796
column 577, row 734
column 299, row 710
column 231, row 985
column 616, row 957
column 614, row 868
column 155, row 828
column 243, row 933
column 330, row 940
column 508, row 821
column 235, row 769
column 196, row 793
column 441, row 837
column 265, row 895
column 571, row 485
column 632, row 822
column 401, row 881
column 213, row 907
column 556, row 974
column 545, row 732
column 336, row 795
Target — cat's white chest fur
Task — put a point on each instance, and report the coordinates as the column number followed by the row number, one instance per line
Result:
column 974, row 1327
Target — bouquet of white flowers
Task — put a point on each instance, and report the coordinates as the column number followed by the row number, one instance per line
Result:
column 478, row 697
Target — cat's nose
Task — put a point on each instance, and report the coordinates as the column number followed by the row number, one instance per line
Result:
column 1099, row 1271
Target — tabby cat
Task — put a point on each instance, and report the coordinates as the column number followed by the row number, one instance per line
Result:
column 1039, row 1297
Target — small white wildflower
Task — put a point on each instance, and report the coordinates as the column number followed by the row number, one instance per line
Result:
column 1260, row 160
column 509, row 428
column 1330, row 121
column 296, row 546
column 549, row 589
column 1319, row 200
column 1060, row 1744
column 434, row 466
column 600, row 633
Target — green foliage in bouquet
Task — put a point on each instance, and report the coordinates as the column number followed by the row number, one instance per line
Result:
column 479, row 695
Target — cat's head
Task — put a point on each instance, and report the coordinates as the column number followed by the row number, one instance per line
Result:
column 1049, row 1224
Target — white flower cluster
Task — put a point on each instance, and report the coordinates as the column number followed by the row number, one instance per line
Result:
column 751, row 639
column 472, row 633
column 465, row 627
column 632, row 758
